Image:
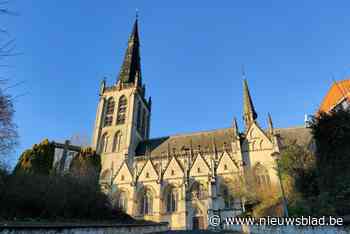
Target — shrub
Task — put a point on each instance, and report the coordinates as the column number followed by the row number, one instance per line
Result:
column 37, row 160
column 86, row 164
column 55, row 197
column 35, row 191
column 331, row 132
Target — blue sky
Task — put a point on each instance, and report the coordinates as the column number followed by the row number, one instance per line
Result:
column 192, row 52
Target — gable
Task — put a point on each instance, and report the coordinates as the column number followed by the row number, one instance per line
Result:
column 226, row 164
column 256, row 139
column 199, row 167
column 173, row 170
column 148, row 172
column 124, row 175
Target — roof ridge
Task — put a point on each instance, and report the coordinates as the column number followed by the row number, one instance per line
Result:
column 190, row 133
column 213, row 130
column 344, row 80
column 296, row 127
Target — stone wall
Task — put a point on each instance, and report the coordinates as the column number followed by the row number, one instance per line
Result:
column 84, row 229
column 289, row 229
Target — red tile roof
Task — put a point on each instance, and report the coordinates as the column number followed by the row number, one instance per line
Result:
column 336, row 94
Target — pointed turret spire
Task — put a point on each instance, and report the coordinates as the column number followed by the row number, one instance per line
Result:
column 269, row 120
column 235, row 128
column 249, row 113
column 270, row 124
column 102, row 86
column 131, row 67
column 150, row 102
column 214, row 147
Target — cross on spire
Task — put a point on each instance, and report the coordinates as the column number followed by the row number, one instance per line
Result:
column 136, row 14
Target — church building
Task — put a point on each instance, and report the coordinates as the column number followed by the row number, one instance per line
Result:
column 179, row 179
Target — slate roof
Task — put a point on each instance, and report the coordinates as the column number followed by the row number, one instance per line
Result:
column 204, row 140
column 299, row 135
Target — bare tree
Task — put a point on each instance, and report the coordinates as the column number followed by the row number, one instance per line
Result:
column 79, row 139
column 7, row 45
column 8, row 130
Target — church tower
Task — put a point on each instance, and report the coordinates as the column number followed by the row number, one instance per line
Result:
column 123, row 113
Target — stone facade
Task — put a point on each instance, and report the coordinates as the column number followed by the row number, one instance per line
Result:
column 178, row 179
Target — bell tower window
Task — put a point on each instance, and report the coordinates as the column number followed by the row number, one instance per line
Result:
column 109, row 112
column 122, row 106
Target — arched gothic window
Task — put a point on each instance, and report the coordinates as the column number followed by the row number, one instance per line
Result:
column 227, row 196
column 146, row 203
column 108, row 120
column 122, row 106
column 171, row 200
column 122, row 202
column 198, row 191
column 104, row 143
column 262, row 177
column 109, row 112
column 139, row 117
column 110, row 106
column 117, row 141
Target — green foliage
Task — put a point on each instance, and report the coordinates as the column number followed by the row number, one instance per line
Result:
column 299, row 207
column 87, row 163
column 4, row 174
column 297, row 163
column 331, row 132
column 34, row 190
column 54, row 197
column 322, row 179
column 37, row 160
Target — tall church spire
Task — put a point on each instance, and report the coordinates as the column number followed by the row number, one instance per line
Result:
column 131, row 65
column 249, row 113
